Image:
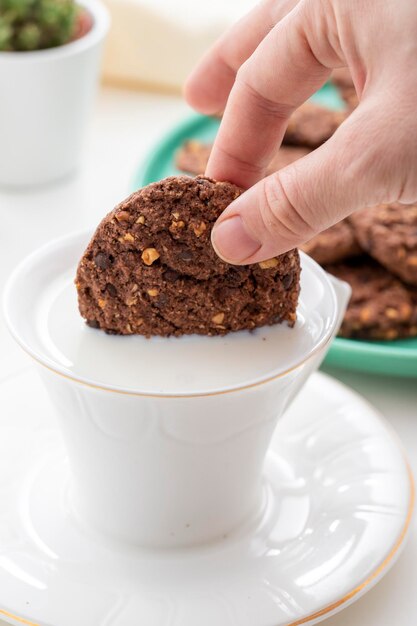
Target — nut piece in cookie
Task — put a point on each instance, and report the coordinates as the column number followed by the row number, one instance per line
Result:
column 150, row 268
column 311, row 125
column 381, row 306
column 333, row 245
column 388, row 233
column 193, row 157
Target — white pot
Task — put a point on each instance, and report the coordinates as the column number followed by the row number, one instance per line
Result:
column 168, row 465
column 46, row 99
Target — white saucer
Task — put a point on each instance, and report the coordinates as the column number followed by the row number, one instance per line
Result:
column 340, row 519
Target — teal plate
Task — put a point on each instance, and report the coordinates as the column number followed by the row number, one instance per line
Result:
column 395, row 358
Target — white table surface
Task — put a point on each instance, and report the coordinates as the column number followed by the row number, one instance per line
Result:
column 125, row 126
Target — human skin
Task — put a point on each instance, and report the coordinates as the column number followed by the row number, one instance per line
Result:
column 268, row 64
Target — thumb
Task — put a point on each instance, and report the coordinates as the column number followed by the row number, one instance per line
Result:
column 289, row 207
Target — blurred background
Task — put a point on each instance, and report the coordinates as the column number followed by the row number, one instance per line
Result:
column 155, row 43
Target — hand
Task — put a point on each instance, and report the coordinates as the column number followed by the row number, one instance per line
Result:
column 265, row 67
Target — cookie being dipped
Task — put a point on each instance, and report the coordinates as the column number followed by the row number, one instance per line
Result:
column 150, row 268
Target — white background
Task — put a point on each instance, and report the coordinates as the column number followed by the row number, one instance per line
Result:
column 125, row 126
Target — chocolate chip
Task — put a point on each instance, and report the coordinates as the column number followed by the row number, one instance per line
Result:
column 253, row 309
column 111, row 289
column 287, row 280
column 222, row 294
column 162, row 300
column 233, row 276
column 93, row 323
column 186, row 256
column 102, row 260
column 171, row 276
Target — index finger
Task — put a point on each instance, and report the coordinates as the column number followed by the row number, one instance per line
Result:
column 279, row 76
column 209, row 85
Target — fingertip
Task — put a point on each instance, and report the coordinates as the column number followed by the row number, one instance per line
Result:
column 208, row 86
column 232, row 242
column 196, row 96
column 224, row 167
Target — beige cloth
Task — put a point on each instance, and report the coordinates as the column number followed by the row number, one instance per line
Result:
column 156, row 43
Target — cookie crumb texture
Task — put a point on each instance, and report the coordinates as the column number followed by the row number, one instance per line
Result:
column 381, row 306
column 150, row 268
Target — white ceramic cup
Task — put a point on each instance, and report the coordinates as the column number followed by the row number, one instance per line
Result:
column 164, row 469
column 45, row 104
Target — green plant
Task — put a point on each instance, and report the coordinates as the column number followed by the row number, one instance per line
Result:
column 36, row 24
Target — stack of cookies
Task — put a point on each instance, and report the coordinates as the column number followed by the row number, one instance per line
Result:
column 375, row 250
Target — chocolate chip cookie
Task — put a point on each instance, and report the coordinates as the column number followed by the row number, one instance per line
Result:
column 285, row 156
column 381, row 306
column 150, row 268
column 311, row 125
column 341, row 77
column 343, row 80
column 333, row 245
column 389, row 234
column 193, row 157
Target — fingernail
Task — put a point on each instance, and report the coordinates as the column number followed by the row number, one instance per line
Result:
column 232, row 242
